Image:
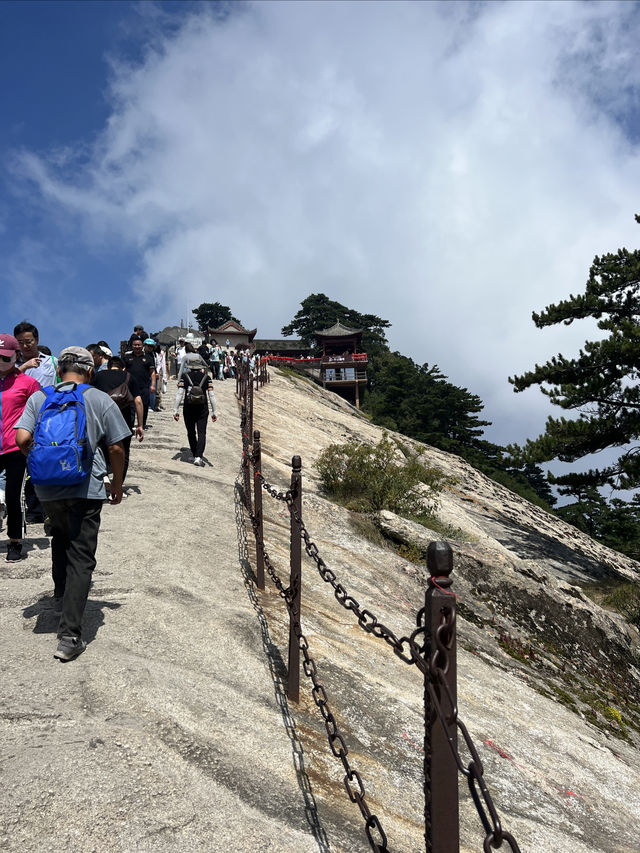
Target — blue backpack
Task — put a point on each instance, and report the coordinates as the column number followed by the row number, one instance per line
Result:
column 61, row 454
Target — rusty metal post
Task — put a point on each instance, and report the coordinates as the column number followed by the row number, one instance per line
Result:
column 257, row 508
column 250, row 408
column 295, row 580
column 442, row 833
column 246, row 462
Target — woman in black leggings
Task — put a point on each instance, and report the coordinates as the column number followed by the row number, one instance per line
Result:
column 194, row 387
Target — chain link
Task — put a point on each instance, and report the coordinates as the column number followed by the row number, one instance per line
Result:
column 336, row 741
column 410, row 652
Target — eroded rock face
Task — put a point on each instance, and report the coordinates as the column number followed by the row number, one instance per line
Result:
column 564, row 639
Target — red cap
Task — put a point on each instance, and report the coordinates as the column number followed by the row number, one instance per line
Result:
column 8, row 345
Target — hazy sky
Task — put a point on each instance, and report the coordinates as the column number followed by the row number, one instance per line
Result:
column 448, row 166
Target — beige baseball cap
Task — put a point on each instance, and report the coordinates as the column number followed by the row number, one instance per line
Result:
column 80, row 355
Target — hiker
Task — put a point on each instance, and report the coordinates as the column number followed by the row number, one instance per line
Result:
column 116, row 382
column 15, row 390
column 31, row 360
column 73, row 507
column 38, row 363
column 194, row 386
column 180, row 353
column 161, row 375
column 142, row 368
column 100, row 359
column 204, row 351
column 214, row 360
column 189, row 355
column 149, row 349
column 138, row 332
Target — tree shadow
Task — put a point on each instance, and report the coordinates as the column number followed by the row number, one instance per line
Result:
column 278, row 671
column 47, row 619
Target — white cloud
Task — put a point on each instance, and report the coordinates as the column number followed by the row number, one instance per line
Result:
column 449, row 167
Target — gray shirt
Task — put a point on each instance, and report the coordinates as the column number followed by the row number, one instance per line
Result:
column 105, row 425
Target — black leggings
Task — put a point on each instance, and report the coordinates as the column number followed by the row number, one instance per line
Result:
column 14, row 464
column 195, row 418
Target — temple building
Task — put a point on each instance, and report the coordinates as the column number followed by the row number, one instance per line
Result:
column 343, row 366
column 232, row 335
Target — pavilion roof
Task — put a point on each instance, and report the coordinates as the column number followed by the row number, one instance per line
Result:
column 231, row 327
column 337, row 331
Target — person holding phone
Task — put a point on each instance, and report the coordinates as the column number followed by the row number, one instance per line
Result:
column 34, row 363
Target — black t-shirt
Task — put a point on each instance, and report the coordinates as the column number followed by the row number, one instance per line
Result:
column 109, row 380
column 140, row 368
column 196, row 377
column 142, row 335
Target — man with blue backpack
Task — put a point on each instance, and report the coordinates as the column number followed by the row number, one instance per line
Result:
column 63, row 431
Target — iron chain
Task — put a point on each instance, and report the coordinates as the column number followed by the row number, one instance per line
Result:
column 410, row 652
column 336, row 741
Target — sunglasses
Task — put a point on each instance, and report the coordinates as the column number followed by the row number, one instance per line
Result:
column 6, row 357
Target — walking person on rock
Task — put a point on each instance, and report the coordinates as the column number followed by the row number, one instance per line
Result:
column 72, row 492
column 15, row 390
column 194, row 386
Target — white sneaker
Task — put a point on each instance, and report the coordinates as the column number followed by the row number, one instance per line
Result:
column 199, row 462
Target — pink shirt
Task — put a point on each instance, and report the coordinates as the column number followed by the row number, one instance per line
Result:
column 15, row 390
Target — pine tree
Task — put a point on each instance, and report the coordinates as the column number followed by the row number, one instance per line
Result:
column 211, row 315
column 317, row 312
column 601, row 383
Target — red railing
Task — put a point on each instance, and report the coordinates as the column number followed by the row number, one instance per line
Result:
column 324, row 359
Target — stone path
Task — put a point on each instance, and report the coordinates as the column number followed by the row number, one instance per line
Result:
column 141, row 744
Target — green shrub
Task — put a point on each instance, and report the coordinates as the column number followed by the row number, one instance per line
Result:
column 367, row 479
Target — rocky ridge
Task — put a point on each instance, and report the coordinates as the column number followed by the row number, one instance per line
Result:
column 173, row 732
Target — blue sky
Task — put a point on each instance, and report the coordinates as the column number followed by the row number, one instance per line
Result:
column 450, row 167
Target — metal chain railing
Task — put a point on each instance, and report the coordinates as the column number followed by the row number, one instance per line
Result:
column 335, row 739
column 434, row 658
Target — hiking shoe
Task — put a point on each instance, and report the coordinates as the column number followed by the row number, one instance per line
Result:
column 199, row 462
column 14, row 552
column 69, row 648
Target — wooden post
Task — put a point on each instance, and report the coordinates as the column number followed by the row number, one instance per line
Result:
column 442, row 833
column 257, row 509
column 295, row 580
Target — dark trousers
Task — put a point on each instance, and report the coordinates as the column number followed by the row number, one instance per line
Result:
column 75, row 523
column 126, row 445
column 144, row 394
column 13, row 464
column 195, row 419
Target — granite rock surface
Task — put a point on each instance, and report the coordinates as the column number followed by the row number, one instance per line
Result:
column 173, row 732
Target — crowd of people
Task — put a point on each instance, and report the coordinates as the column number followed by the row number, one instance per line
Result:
column 66, row 427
